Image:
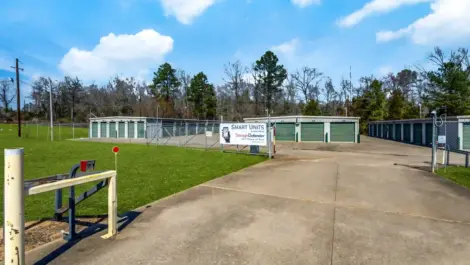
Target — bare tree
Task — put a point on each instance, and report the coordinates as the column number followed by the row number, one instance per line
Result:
column 235, row 74
column 258, row 92
column 307, row 81
column 6, row 94
column 185, row 80
column 74, row 90
column 330, row 94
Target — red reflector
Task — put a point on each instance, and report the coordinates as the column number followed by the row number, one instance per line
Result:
column 115, row 149
column 83, row 165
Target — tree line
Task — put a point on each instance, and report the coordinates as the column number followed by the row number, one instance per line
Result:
column 263, row 88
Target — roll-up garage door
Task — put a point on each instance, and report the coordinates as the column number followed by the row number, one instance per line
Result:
column 313, row 132
column 407, row 133
column 141, row 129
column 122, row 129
column 103, row 127
column 94, row 129
column 342, row 132
column 398, row 132
column 390, row 131
column 466, row 136
column 285, row 131
column 418, row 133
column 428, row 134
column 131, row 129
column 112, row 130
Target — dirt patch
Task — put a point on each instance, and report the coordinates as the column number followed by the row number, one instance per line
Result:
column 45, row 231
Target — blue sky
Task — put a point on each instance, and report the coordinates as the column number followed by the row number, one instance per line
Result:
column 98, row 39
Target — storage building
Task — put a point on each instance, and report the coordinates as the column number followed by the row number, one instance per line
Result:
column 419, row 131
column 147, row 127
column 313, row 128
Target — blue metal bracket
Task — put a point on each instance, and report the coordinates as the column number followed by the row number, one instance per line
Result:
column 85, row 167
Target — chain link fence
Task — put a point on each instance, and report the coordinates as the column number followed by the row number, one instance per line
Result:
column 193, row 134
column 42, row 130
column 199, row 134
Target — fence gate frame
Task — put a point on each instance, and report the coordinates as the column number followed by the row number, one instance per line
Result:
column 15, row 190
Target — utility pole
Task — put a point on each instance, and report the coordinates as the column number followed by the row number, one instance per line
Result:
column 350, row 90
column 18, row 103
column 50, row 110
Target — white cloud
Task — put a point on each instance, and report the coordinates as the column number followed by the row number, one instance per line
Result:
column 447, row 23
column 185, row 11
column 376, row 7
column 287, row 48
column 305, row 3
column 130, row 55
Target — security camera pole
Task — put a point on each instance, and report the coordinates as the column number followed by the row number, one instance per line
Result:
column 269, row 133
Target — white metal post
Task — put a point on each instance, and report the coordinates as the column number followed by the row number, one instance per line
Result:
column 136, row 123
column 434, row 147
column 412, row 134
column 423, row 133
column 112, row 201
column 269, row 135
column 126, row 129
column 14, row 207
column 221, row 121
column 51, row 118
column 326, row 131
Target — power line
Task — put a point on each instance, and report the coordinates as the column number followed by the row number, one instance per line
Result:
column 28, row 84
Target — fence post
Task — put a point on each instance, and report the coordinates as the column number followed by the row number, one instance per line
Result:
column 185, row 133
column 448, row 158
column 466, row 160
column 221, row 145
column 14, row 207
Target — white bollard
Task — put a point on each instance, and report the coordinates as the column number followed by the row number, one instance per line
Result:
column 14, row 207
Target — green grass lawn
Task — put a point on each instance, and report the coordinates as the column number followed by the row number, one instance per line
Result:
column 459, row 175
column 145, row 173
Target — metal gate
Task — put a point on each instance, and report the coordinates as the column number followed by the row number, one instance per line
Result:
column 313, row 132
column 342, row 132
column 285, row 131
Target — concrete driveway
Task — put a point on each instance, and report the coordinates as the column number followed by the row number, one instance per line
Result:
column 348, row 205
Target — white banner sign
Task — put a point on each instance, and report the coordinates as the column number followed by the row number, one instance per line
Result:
column 243, row 134
column 441, row 139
